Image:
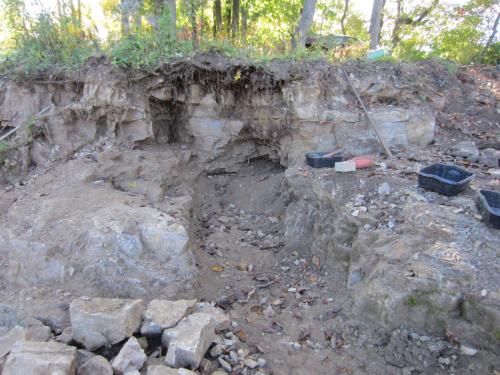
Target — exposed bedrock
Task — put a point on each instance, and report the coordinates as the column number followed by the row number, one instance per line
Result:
column 114, row 220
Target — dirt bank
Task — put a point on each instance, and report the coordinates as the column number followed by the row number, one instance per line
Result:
column 190, row 182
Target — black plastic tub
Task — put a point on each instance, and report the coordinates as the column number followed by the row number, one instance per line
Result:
column 444, row 179
column 488, row 204
column 317, row 159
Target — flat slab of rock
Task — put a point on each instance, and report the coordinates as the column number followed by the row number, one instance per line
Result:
column 188, row 341
column 97, row 322
column 130, row 358
column 97, row 365
column 162, row 314
column 40, row 358
column 8, row 340
column 164, row 370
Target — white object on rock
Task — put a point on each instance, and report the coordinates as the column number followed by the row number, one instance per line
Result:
column 97, row 322
column 130, row 358
column 40, row 358
column 467, row 350
column 345, row 166
column 164, row 370
column 188, row 342
column 162, row 314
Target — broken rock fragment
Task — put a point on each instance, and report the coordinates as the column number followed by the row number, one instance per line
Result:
column 221, row 321
column 162, row 314
column 130, row 358
column 164, row 370
column 189, row 340
column 97, row 322
column 40, row 358
column 97, row 365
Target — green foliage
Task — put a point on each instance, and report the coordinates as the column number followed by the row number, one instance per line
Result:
column 148, row 47
column 411, row 301
column 66, row 39
column 45, row 42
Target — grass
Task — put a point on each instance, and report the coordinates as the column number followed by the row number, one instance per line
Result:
column 4, row 147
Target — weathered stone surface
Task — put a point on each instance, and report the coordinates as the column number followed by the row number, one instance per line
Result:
column 189, row 340
column 466, row 150
column 97, row 247
column 490, row 157
column 97, row 365
column 220, row 319
column 130, row 358
column 341, row 116
column 8, row 316
column 40, row 358
column 96, row 322
column 162, row 314
column 7, row 340
column 36, row 330
column 164, row 370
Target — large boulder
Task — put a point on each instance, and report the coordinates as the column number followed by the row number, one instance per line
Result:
column 40, row 358
column 100, row 322
column 96, row 365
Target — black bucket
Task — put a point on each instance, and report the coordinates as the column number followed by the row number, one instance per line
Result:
column 444, row 179
column 317, row 159
column 488, row 204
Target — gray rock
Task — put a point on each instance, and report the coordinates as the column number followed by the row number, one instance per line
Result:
column 8, row 339
column 162, row 314
column 225, row 365
column 164, row 370
column 36, row 330
column 216, row 350
column 188, row 342
column 466, row 150
column 97, row 365
column 40, row 358
column 384, row 189
column 130, row 358
column 8, row 316
column 490, row 157
column 96, row 322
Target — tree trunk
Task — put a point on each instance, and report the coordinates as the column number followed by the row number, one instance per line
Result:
column 306, row 20
column 217, row 17
column 227, row 16
column 397, row 25
column 192, row 19
column 375, row 23
column 125, row 13
column 172, row 12
column 236, row 18
column 344, row 15
column 490, row 39
column 244, row 24
column 138, row 16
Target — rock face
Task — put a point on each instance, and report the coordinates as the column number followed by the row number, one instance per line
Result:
column 97, row 365
column 188, row 342
column 100, row 322
column 40, row 358
column 99, row 247
column 8, row 339
column 130, row 358
column 162, row 314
